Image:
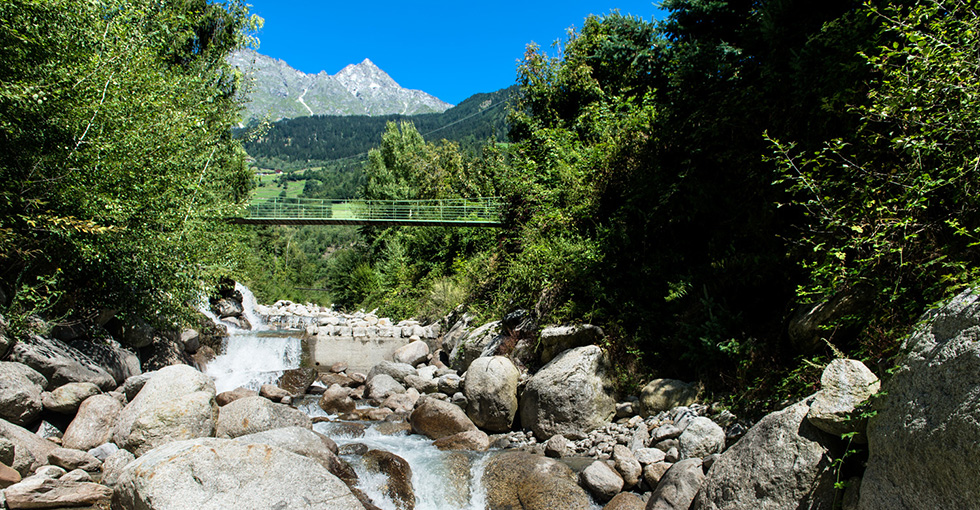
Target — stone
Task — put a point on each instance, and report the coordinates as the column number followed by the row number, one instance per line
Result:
column 227, row 307
column 336, row 400
column 297, row 380
column 132, row 385
column 627, row 466
column 30, row 450
column 653, row 473
column 923, row 442
column 256, row 414
column 309, row 444
column 338, row 367
column 108, row 354
column 423, row 385
column 602, row 481
column 782, row 462
column 273, row 393
column 647, row 456
column 667, row 431
column 113, row 465
column 640, row 438
column 626, row 501
column 665, row 394
column 226, row 397
column 557, row 339
column 49, row 471
column 210, row 473
column 557, row 447
column 402, row 402
column 436, row 419
column 701, row 437
column 6, row 451
column 520, row 480
column 8, row 476
column 569, row 395
column 60, row 363
column 103, row 451
column 491, row 393
column 20, row 393
column 40, row 492
column 412, row 353
column 679, row 485
column 399, row 484
column 76, row 475
column 480, row 342
column 191, row 340
column 65, row 399
column 449, row 383
column 471, row 440
column 382, row 385
column 844, row 385
column 338, row 379
column 73, row 459
column 397, row 371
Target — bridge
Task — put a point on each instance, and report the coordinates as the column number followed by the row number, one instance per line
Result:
column 459, row 212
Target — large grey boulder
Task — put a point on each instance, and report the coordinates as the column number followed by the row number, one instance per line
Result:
column 491, row 393
column 844, row 385
column 93, row 424
column 482, row 341
column 665, row 394
column 30, row 450
column 60, row 363
column 925, row 439
column 305, row 442
column 119, row 362
column 257, row 414
column 397, row 371
column 516, row 480
column 701, row 438
column 411, row 353
column 218, row 474
column 176, row 403
column 20, row 393
column 557, row 339
column 381, row 386
column 65, row 399
column 782, row 462
column 570, row 395
column 679, row 486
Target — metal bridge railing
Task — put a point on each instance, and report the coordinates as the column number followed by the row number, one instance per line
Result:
column 483, row 210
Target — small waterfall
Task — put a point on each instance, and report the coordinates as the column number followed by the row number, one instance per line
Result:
column 248, row 307
column 250, row 360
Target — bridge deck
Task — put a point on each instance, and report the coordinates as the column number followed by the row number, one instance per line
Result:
column 477, row 212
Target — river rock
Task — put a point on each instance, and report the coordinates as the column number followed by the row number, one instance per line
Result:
column 557, row 339
column 336, row 400
column 678, row 486
column 844, row 385
column 479, row 342
column 471, row 440
column 557, row 447
column 449, row 383
column 665, row 394
column 923, row 442
column 402, row 402
column 648, row 456
column 226, row 397
column 412, row 353
column 422, row 384
column 602, row 481
column 209, row 474
column 273, row 393
column 397, row 371
column 73, row 459
column 381, row 386
column 653, row 473
column 491, row 393
column 30, row 450
column 227, row 307
column 113, row 465
column 436, row 419
column 133, row 384
column 103, row 451
column 8, row 476
column 41, row 492
column 626, row 501
column 297, row 380
column 65, row 399
column 517, row 480
column 60, row 363
column 399, row 484
column 256, row 414
column 627, row 466
column 701, row 437
column 781, row 462
column 119, row 362
column 20, row 393
column 569, row 395
column 307, row 443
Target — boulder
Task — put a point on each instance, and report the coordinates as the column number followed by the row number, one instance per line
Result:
column 471, row 440
column 422, row 384
column 336, row 400
column 844, row 385
column 73, row 459
column 781, row 462
column 449, row 383
column 701, row 437
column 627, row 466
column 119, row 362
column 665, row 394
column 297, row 380
column 60, row 363
column 397, row 371
column 20, row 393
column 569, row 395
column 256, row 414
column 65, row 399
column 923, row 441
column 436, row 419
column 679, row 485
column 653, row 473
column 227, row 307
column 210, row 474
column 41, row 492
column 382, row 385
column 558, row 339
column 133, row 384
column 176, row 403
column 226, row 397
column 411, row 353
column 602, row 481
column 6, row 341
column 557, row 447
column 8, row 476
column 480, row 342
column 521, row 481
column 307, row 443
column 273, row 393
column 491, row 393
column 402, row 402
column 398, row 486
column 30, row 450
column 113, row 465
column 191, row 340
column 626, row 501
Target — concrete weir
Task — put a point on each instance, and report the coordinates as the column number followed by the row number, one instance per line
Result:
column 362, row 347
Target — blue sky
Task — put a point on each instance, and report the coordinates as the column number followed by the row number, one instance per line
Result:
column 451, row 50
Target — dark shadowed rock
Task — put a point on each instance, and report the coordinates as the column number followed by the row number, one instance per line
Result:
column 399, row 484
column 297, row 380
column 60, row 363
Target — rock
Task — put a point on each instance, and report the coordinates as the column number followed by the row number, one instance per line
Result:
column 227, row 307
column 307, row 443
column 6, row 341
column 665, row 394
column 491, row 393
column 6, row 451
column 132, row 385
column 191, row 340
column 256, row 414
column 521, row 481
column 421, row 384
column 338, row 367
column 8, row 476
column 627, row 466
column 382, row 385
column 198, row 474
column 653, row 473
column 46, row 430
column 103, row 451
column 30, row 451
column 397, row 371
column 449, row 383
column 781, row 462
column 557, row 447
column 76, row 475
column 436, row 419
column 65, row 399
column 679, row 485
column 471, row 440
column 113, row 465
column 273, row 392
column 844, row 385
column 226, row 397
column 118, row 361
column 73, row 459
column 647, row 456
column 20, row 393
column 336, row 400
column 701, row 438
column 60, row 363
column 806, row 328
column 402, row 402
column 338, row 379
column 602, row 481
column 39, row 492
column 297, row 380
column 399, row 484
column 49, row 471
column 663, row 432
column 923, row 442
column 557, row 339
column 480, row 342
column 178, row 402
column 569, row 395
column 640, row 438
column 411, row 353
column 626, row 501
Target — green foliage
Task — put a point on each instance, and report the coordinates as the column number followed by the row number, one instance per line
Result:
column 117, row 156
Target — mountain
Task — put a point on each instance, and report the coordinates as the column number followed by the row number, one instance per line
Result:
column 276, row 90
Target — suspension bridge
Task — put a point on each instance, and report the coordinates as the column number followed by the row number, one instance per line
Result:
column 461, row 212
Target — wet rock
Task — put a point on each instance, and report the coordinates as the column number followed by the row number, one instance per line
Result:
column 297, row 380
column 678, row 486
column 491, row 393
column 399, row 484
column 436, row 419
column 519, row 480
column 256, row 414
column 20, row 393
column 602, row 481
column 65, row 399
column 665, row 394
